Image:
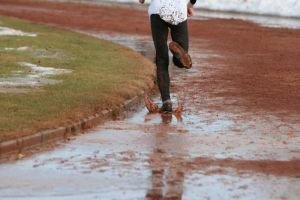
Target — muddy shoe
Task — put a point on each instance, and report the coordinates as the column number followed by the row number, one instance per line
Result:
column 166, row 107
column 181, row 55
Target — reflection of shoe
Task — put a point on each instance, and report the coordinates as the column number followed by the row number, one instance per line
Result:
column 181, row 55
column 166, row 107
column 142, row 1
column 166, row 118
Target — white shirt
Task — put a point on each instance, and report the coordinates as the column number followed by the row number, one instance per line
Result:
column 171, row 11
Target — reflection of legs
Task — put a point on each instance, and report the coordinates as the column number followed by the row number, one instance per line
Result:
column 172, row 175
column 175, row 179
column 179, row 34
column 160, row 36
column 167, row 175
column 157, row 176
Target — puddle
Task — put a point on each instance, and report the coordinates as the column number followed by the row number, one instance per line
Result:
column 247, row 188
column 5, row 31
column 207, row 154
column 32, row 76
column 141, row 44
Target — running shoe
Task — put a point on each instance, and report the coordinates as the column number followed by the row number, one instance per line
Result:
column 166, row 107
column 181, row 55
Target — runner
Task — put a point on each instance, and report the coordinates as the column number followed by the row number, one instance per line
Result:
column 165, row 15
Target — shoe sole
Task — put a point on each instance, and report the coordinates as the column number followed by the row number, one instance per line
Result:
column 185, row 58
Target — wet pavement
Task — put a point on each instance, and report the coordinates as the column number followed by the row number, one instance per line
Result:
column 217, row 149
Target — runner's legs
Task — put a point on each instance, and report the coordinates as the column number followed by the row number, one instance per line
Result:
column 160, row 31
column 179, row 34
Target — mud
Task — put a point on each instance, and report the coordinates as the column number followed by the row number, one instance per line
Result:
column 237, row 138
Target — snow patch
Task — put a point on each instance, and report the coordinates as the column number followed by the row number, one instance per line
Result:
column 44, row 71
column 16, row 49
column 5, row 31
column 288, row 8
column 36, row 77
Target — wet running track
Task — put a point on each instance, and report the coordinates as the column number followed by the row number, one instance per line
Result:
column 208, row 153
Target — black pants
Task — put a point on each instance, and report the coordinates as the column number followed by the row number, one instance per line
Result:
column 179, row 34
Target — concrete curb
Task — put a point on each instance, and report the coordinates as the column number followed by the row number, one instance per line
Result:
column 16, row 146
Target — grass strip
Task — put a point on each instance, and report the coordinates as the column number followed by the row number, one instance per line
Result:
column 103, row 75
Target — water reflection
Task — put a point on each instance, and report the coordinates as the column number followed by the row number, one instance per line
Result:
column 167, row 172
column 208, row 154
